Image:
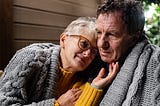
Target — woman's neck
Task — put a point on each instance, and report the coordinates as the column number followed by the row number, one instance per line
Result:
column 64, row 63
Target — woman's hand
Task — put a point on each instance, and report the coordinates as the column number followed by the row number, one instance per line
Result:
column 101, row 82
column 70, row 97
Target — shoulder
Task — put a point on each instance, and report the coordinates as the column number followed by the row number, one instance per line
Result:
column 154, row 52
column 38, row 48
column 37, row 53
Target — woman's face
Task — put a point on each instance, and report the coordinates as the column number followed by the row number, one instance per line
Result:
column 77, row 51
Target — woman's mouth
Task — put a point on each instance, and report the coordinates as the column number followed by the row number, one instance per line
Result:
column 81, row 59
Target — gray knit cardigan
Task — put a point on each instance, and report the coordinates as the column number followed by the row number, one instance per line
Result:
column 138, row 81
column 30, row 77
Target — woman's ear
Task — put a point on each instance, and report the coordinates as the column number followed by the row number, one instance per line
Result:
column 62, row 39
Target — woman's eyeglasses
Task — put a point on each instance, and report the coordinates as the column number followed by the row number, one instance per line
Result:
column 84, row 44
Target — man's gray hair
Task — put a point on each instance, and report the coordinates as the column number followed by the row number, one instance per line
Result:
column 132, row 13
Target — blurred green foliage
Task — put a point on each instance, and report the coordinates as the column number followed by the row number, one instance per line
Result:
column 152, row 22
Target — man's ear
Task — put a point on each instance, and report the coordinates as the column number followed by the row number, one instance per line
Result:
column 62, row 39
column 135, row 38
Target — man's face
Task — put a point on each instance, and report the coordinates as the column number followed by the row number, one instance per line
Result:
column 113, row 37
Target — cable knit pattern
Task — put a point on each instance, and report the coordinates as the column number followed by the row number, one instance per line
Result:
column 138, row 82
column 30, row 77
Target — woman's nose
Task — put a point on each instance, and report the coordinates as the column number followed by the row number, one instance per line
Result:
column 87, row 52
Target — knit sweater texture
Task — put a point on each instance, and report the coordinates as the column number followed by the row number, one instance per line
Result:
column 32, row 78
column 90, row 95
column 138, row 81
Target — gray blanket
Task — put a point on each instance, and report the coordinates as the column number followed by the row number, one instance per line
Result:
column 138, row 82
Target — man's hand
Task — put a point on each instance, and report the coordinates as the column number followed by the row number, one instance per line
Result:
column 70, row 97
column 101, row 82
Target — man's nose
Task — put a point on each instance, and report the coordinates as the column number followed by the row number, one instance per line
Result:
column 104, row 37
column 103, row 41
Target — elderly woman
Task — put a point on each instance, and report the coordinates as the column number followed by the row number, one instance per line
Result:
column 45, row 74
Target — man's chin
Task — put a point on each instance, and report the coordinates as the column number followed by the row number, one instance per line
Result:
column 107, row 60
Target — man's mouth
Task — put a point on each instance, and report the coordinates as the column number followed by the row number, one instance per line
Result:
column 104, row 51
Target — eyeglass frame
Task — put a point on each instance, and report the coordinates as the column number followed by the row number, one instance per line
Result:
column 90, row 47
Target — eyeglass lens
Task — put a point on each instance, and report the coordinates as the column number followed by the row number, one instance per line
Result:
column 84, row 44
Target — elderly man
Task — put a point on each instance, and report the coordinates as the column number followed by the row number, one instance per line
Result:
column 121, row 37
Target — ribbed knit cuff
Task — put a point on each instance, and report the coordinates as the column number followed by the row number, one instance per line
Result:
column 95, row 86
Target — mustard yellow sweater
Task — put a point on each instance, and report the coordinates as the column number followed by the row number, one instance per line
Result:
column 89, row 97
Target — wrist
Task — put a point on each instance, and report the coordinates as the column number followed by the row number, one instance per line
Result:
column 95, row 86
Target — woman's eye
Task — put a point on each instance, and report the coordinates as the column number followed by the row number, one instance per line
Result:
column 84, row 44
column 99, row 33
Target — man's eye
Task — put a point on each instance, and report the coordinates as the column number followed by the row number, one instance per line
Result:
column 113, row 37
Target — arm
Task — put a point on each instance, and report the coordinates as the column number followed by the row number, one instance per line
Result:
column 75, row 97
column 91, row 94
column 69, row 98
column 19, row 79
